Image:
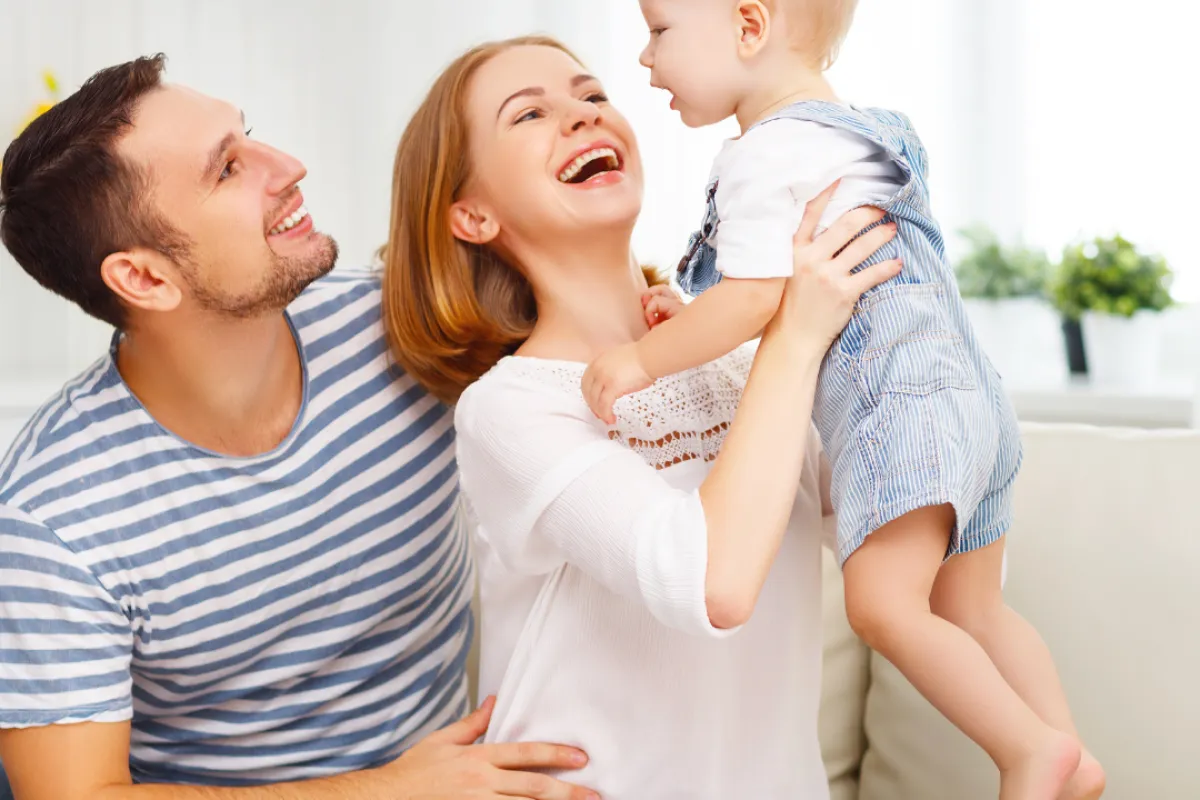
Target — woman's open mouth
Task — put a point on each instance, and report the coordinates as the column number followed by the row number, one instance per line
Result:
column 598, row 165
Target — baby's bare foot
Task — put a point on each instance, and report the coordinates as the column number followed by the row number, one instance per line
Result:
column 1044, row 773
column 1088, row 781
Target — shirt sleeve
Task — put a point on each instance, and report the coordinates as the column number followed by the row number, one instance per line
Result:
column 766, row 179
column 548, row 487
column 65, row 644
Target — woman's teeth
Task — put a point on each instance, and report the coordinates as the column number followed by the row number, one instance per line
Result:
column 575, row 167
column 290, row 222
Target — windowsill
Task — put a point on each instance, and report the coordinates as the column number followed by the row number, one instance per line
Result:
column 1165, row 404
column 23, row 397
column 1162, row 404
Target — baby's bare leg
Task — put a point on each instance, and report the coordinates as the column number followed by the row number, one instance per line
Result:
column 967, row 593
column 889, row 582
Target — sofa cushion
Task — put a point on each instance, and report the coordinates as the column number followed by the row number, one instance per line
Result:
column 1102, row 558
column 846, row 677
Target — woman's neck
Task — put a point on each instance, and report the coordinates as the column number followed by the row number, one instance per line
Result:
column 588, row 302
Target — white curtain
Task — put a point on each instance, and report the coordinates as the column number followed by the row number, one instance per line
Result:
column 334, row 82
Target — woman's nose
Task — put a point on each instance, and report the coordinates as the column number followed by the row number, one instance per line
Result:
column 582, row 114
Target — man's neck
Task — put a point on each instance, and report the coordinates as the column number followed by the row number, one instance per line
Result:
column 234, row 387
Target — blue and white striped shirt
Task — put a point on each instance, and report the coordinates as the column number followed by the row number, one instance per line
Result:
column 296, row 614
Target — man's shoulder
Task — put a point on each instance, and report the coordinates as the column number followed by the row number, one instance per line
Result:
column 82, row 412
column 337, row 290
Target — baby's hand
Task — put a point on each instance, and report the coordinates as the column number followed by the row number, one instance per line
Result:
column 615, row 374
column 660, row 303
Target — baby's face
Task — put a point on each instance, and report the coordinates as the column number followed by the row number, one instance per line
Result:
column 692, row 53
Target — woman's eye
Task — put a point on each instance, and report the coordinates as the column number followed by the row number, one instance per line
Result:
column 528, row 115
column 227, row 172
column 597, row 97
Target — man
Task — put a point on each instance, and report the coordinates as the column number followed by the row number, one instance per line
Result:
column 229, row 552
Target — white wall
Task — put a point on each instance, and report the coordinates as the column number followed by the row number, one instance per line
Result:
column 1028, row 110
column 334, row 82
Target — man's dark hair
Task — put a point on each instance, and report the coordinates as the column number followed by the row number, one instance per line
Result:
column 68, row 200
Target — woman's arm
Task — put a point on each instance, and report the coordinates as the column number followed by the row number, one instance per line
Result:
column 548, row 486
column 748, row 495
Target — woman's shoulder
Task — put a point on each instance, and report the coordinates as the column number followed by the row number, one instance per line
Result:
column 519, row 392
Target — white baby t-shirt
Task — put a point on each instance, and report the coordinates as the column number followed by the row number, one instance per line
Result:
column 767, row 176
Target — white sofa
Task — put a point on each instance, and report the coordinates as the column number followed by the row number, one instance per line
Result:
column 1103, row 559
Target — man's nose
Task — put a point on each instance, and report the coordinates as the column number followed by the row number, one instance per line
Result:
column 283, row 170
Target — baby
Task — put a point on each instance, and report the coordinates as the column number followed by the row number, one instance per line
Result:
column 924, row 444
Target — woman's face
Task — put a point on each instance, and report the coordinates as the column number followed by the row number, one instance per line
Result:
column 550, row 157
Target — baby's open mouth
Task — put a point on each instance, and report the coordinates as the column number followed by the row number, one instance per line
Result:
column 590, row 164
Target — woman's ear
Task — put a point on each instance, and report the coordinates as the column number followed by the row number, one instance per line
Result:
column 754, row 27
column 473, row 223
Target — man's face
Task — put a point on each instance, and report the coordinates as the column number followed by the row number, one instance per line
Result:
column 253, row 248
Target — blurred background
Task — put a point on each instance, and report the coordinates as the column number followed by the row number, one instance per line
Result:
column 1060, row 134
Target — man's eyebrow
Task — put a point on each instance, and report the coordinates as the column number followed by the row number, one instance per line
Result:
column 216, row 156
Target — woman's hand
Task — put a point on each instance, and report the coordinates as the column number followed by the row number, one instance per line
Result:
column 821, row 295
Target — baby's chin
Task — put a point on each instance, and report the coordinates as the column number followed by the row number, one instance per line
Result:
column 693, row 118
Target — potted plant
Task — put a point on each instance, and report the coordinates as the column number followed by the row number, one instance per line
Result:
column 1116, row 292
column 1004, row 289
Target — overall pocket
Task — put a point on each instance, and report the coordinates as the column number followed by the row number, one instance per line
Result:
column 911, row 345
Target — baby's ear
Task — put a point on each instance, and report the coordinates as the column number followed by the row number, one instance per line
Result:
column 754, row 27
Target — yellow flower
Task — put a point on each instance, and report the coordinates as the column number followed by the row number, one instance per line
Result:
column 38, row 110
column 51, row 84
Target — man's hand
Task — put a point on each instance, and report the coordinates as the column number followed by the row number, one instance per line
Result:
column 615, row 374
column 447, row 765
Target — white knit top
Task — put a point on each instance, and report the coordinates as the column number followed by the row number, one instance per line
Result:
column 592, row 550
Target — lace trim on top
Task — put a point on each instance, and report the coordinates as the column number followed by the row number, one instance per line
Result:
column 681, row 418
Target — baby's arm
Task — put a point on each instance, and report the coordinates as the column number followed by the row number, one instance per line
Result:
column 710, row 326
column 727, row 315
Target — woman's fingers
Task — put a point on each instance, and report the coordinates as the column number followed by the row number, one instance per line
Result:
column 863, row 248
column 812, row 216
column 872, row 276
column 843, row 231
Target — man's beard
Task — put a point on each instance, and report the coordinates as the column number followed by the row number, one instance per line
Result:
column 283, row 283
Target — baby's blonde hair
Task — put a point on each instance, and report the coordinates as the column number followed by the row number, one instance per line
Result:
column 818, row 27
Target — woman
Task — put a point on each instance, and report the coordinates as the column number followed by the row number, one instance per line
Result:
column 648, row 591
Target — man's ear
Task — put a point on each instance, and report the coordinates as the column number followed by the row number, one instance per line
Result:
column 140, row 279
column 754, row 27
column 472, row 222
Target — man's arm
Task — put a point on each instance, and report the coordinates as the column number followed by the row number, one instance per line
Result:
column 90, row 761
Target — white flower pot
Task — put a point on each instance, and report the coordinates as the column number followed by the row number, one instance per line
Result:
column 1123, row 351
column 1022, row 337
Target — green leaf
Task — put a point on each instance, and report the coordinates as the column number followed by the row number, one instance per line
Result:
column 1110, row 276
